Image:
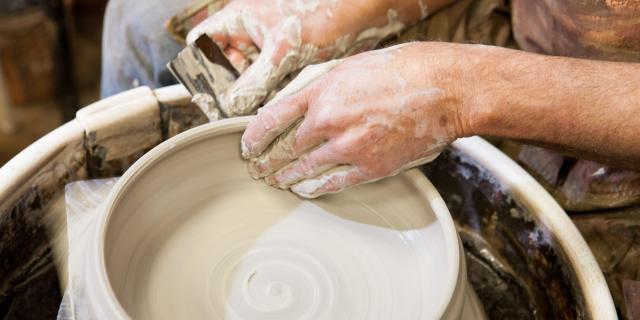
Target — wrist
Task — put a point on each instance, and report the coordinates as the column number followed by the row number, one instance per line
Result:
column 502, row 84
column 471, row 79
column 519, row 91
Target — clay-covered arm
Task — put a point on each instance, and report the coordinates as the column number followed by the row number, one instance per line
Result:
column 587, row 108
column 269, row 40
column 375, row 114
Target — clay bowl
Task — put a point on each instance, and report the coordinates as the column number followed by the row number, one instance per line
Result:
column 187, row 234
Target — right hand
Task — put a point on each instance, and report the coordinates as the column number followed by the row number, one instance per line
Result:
column 291, row 35
column 368, row 117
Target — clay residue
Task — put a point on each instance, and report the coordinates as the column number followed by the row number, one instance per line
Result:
column 243, row 99
column 207, row 104
column 308, row 75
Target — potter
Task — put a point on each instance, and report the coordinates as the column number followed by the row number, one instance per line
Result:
column 389, row 115
column 287, row 44
column 501, row 93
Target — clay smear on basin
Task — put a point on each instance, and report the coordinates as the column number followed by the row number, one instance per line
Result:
column 204, row 240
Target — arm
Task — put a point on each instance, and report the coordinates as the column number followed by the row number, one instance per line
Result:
column 268, row 40
column 589, row 109
column 380, row 112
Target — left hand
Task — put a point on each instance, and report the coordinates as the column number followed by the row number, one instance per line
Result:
column 290, row 35
column 369, row 117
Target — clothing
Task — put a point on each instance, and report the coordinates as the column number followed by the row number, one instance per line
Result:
column 595, row 29
column 135, row 45
column 592, row 29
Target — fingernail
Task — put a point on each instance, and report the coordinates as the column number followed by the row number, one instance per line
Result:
column 306, row 195
column 279, row 180
column 246, row 152
column 254, row 169
column 308, row 188
column 273, row 181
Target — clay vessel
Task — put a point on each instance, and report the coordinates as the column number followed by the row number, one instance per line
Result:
column 186, row 233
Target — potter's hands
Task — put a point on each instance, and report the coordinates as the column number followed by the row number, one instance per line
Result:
column 369, row 117
column 292, row 34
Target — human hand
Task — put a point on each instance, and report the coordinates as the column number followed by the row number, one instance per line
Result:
column 370, row 116
column 273, row 39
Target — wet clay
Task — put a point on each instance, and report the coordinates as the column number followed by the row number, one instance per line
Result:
column 193, row 236
column 261, row 79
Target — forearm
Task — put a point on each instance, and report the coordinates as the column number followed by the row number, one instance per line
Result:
column 582, row 107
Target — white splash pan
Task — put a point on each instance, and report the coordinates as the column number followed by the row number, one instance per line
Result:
column 186, row 233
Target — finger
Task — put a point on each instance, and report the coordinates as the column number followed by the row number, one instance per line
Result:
column 275, row 62
column 271, row 121
column 245, row 46
column 285, row 149
column 333, row 181
column 283, row 110
column 237, row 59
column 250, row 89
column 308, row 166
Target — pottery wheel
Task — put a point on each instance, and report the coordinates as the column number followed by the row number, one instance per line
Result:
column 195, row 237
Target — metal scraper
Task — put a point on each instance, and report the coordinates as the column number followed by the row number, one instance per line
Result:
column 206, row 72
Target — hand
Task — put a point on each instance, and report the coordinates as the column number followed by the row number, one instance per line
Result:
column 370, row 116
column 293, row 34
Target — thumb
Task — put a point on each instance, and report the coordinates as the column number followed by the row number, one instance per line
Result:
column 281, row 54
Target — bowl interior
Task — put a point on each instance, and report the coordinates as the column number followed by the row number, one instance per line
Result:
column 190, row 235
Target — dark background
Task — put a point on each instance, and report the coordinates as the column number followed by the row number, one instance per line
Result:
column 49, row 66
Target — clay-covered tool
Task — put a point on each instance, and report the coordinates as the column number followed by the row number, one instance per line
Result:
column 205, row 71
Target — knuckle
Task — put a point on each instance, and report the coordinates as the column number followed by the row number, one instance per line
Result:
column 293, row 100
column 324, row 120
column 344, row 145
column 267, row 118
column 285, row 102
column 286, row 148
column 304, row 133
column 306, row 165
column 349, row 147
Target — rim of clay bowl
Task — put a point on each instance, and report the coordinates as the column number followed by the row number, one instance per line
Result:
column 101, row 293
